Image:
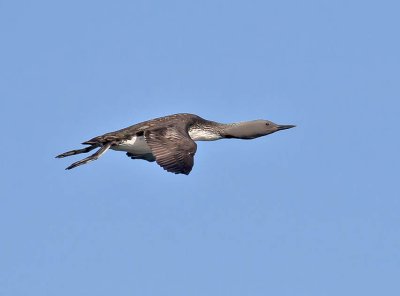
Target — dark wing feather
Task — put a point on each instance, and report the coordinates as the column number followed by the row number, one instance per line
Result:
column 173, row 149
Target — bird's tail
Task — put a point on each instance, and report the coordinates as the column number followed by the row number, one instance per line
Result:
column 92, row 157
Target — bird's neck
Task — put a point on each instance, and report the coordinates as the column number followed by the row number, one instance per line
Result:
column 206, row 130
column 238, row 130
column 210, row 131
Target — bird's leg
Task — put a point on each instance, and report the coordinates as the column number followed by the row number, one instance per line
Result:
column 92, row 157
column 73, row 152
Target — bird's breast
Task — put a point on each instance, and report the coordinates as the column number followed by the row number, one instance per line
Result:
column 136, row 145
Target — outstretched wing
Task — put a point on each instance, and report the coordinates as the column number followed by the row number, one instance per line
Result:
column 173, row 148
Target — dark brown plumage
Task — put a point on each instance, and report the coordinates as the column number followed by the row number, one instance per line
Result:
column 170, row 140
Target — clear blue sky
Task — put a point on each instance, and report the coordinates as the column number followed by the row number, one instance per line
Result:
column 309, row 211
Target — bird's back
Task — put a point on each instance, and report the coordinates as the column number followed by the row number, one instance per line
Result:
column 181, row 120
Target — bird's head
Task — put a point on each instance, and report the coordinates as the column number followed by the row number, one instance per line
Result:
column 253, row 129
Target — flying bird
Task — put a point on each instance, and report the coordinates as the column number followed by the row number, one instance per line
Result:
column 170, row 140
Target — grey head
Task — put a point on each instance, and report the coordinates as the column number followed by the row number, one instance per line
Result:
column 252, row 129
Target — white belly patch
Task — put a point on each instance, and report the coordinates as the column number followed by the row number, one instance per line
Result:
column 136, row 146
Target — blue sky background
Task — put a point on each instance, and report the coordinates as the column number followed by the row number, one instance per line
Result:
column 309, row 211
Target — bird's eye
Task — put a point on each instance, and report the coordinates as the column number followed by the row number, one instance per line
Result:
column 267, row 124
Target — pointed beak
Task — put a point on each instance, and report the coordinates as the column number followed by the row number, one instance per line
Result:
column 283, row 127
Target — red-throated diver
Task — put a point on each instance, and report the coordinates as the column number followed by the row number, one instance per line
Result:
column 170, row 140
